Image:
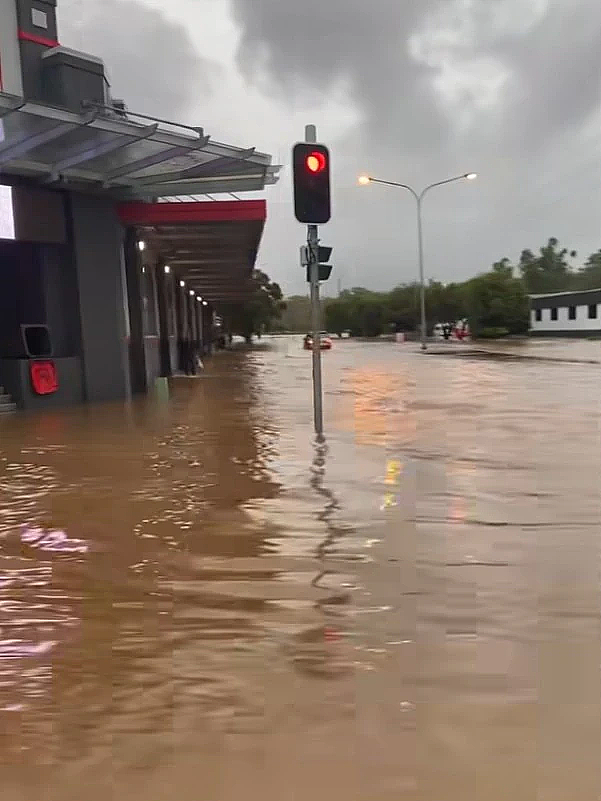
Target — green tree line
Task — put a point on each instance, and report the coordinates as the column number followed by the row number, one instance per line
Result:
column 257, row 313
column 494, row 302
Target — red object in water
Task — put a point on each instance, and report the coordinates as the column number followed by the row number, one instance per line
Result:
column 44, row 378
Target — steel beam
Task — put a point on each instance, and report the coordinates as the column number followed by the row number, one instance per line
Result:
column 156, row 158
column 87, row 153
column 245, row 183
column 209, row 168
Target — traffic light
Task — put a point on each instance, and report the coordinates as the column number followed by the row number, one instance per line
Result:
column 311, row 168
column 323, row 254
column 325, row 271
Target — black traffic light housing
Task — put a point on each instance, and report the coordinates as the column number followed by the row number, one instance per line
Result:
column 311, row 172
column 325, row 271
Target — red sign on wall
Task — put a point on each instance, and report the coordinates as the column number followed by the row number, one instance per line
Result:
column 44, row 378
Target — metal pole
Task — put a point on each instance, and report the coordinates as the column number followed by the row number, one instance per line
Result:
column 422, row 287
column 419, row 199
column 312, row 239
column 313, row 243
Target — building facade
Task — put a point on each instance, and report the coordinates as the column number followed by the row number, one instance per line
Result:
column 567, row 314
column 112, row 259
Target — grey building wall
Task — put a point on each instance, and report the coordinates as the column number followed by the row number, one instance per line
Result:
column 60, row 295
column 97, row 245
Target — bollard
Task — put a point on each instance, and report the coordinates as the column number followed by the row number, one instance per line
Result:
column 161, row 388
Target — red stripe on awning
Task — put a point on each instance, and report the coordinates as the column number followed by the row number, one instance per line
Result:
column 40, row 40
column 194, row 212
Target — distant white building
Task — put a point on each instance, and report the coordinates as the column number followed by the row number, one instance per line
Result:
column 565, row 314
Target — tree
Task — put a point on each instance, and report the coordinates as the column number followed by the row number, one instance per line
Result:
column 365, row 310
column 497, row 304
column 589, row 276
column 504, row 267
column 257, row 314
column 445, row 302
column 548, row 272
column 402, row 311
column 296, row 317
column 337, row 316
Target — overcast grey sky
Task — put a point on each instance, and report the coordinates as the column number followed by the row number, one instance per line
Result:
column 408, row 90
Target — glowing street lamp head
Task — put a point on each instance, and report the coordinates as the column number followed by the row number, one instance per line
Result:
column 471, row 176
column 364, row 180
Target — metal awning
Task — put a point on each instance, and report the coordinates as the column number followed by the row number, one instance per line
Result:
column 132, row 156
column 212, row 246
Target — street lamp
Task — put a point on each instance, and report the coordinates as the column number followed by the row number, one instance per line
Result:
column 468, row 176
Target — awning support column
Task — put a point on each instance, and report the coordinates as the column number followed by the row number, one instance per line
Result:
column 164, row 348
column 137, row 355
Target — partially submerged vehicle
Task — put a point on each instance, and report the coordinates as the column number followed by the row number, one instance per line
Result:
column 325, row 341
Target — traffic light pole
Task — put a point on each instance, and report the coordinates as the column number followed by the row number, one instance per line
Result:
column 313, row 243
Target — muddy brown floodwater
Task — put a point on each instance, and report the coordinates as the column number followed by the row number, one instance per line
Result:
column 198, row 603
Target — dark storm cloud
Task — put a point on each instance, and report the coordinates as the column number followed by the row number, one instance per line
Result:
column 504, row 87
column 151, row 60
column 556, row 73
column 395, row 53
column 314, row 43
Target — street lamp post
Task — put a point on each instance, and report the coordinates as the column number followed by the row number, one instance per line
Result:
column 419, row 197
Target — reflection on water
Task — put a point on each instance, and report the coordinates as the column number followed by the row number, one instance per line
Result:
column 199, row 601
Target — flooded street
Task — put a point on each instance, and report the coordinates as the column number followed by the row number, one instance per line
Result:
column 198, row 603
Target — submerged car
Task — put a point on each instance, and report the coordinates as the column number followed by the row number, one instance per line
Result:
column 325, row 341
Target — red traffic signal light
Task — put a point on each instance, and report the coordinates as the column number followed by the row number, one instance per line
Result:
column 311, row 173
column 316, row 161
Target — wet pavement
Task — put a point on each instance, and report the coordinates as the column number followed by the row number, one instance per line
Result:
column 198, row 602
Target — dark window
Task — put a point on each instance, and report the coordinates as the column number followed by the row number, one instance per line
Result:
column 539, row 315
column 592, row 312
column 554, row 313
column 572, row 313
